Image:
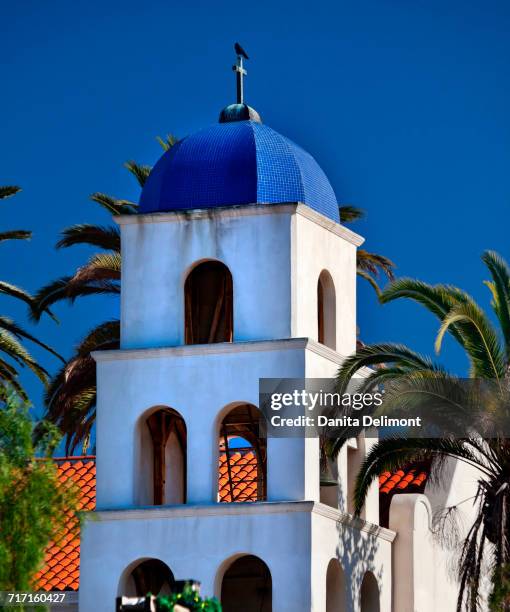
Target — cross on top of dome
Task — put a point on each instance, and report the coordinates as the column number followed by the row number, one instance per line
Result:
column 239, row 111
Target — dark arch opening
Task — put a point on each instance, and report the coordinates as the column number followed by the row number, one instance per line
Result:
column 326, row 310
column 150, row 576
column 208, row 304
column 247, row 586
column 369, row 597
column 242, row 465
column 336, row 595
column 167, row 431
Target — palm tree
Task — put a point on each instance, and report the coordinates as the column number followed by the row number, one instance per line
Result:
column 369, row 265
column 411, row 377
column 12, row 334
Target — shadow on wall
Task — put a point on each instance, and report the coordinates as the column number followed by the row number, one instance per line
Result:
column 351, row 581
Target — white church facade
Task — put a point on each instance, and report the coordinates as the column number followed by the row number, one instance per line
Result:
column 237, row 268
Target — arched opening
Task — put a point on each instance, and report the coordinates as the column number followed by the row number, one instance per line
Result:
column 242, row 446
column 247, row 586
column 148, row 576
column 335, row 588
column 208, row 304
column 163, row 448
column 326, row 310
column 369, row 596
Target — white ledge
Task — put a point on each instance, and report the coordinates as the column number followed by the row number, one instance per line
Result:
column 243, row 211
column 220, row 348
column 242, row 509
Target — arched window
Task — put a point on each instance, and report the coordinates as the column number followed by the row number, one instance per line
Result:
column 242, row 456
column 149, row 576
column 247, row 586
column 162, row 474
column 369, row 596
column 335, row 587
column 326, row 310
column 208, row 304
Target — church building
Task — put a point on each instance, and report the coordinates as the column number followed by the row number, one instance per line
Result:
column 237, row 268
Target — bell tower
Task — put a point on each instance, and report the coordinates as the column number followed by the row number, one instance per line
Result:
column 236, row 268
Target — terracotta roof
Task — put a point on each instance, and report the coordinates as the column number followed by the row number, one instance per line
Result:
column 412, row 479
column 61, row 571
column 243, row 468
column 402, row 479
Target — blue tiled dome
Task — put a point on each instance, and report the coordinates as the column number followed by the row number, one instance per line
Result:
column 242, row 162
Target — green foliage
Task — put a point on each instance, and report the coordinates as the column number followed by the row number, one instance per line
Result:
column 32, row 500
column 188, row 599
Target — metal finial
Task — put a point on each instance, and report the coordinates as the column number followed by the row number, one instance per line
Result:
column 240, row 72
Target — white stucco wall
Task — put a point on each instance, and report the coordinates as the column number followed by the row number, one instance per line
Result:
column 295, row 540
column 360, row 547
column 457, row 487
column 158, row 252
column 197, row 382
column 275, row 254
column 315, row 250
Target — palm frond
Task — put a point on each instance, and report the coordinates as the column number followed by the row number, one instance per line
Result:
column 100, row 336
column 377, row 354
column 349, row 214
column 15, row 235
column 437, row 299
column 67, row 288
column 479, row 339
column 500, row 288
column 374, row 263
column 15, row 329
column 139, row 171
column 16, row 292
column 370, row 279
column 10, row 345
column 94, row 235
column 9, row 379
column 470, row 567
column 100, row 267
column 168, row 142
column 8, row 190
column 113, row 205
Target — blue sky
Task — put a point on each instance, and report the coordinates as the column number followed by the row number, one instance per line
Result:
column 404, row 105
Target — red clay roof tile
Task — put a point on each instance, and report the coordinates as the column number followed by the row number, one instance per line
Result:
column 62, row 560
column 400, row 480
column 243, row 468
column 411, row 480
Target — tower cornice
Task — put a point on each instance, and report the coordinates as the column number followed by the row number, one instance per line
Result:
column 246, row 210
column 219, row 348
column 240, row 509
